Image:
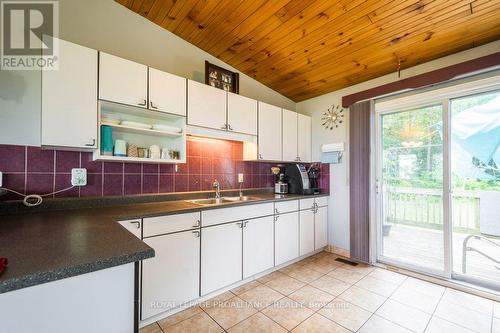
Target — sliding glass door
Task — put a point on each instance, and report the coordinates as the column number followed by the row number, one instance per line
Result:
column 438, row 184
column 475, row 184
column 410, row 187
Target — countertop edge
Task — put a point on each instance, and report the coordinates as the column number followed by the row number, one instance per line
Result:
column 59, row 273
column 199, row 208
column 39, row 278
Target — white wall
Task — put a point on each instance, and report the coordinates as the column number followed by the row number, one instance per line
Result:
column 338, row 212
column 106, row 25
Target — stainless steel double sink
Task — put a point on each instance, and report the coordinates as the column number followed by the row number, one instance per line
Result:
column 223, row 200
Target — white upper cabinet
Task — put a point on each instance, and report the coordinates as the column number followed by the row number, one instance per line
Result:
column 122, row 81
column 206, row 106
column 241, row 114
column 304, row 138
column 167, row 92
column 269, row 136
column 69, row 99
column 289, row 135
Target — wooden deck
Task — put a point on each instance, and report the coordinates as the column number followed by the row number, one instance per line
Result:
column 424, row 247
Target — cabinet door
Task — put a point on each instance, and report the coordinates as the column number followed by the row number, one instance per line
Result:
column 286, row 237
column 321, row 228
column 133, row 226
column 206, row 106
column 221, row 259
column 69, row 99
column 122, row 81
column 241, row 114
column 269, row 140
column 258, row 245
column 304, row 138
column 289, row 135
column 167, row 92
column 306, row 231
column 171, row 277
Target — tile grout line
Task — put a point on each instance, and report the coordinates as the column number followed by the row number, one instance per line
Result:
column 208, row 314
column 389, row 298
column 316, row 311
column 433, row 312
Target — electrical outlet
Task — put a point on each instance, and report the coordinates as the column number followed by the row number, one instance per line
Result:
column 240, row 178
column 78, row 177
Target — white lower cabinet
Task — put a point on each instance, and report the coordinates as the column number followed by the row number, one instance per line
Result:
column 286, row 236
column 215, row 256
column 221, row 257
column 171, row 277
column 321, row 228
column 306, row 231
column 258, row 245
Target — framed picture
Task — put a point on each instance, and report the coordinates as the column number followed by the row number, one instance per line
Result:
column 221, row 78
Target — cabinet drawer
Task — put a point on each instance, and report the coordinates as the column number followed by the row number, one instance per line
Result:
column 171, row 223
column 306, row 203
column 286, row 206
column 224, row 215
column 322, row 201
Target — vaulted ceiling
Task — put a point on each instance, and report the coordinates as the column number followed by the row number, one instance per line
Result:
column 306, row 48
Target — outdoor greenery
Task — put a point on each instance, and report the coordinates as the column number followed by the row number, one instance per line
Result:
column 413, row 149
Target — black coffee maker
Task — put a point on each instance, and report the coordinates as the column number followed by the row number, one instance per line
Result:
column 313, row 174
column 298, row 180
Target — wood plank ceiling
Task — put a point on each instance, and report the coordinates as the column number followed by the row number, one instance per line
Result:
column 306, row 48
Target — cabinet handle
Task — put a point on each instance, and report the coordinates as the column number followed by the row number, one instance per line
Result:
column 276, row 211
column 239, row 224
column 260, row 156
column 152, row 105
column 196, row 233
column 298, row 159
column 91, row 144
column 224, row 127
column 197, row 225
column 229, row 126
column 245, row 224
column 143, row 103
column 137, row 223
column 276, row 218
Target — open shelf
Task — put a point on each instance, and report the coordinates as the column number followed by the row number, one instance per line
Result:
column 136, row 130
column 136, row 159
column 141, row 137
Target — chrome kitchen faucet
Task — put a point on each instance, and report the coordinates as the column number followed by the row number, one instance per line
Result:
column 216, row 187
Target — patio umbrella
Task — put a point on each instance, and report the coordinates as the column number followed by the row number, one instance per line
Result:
column 476, row 131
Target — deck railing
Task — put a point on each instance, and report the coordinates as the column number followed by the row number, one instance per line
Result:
column 424, row 207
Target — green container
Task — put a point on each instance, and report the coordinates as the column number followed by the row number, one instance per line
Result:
column 106, row 140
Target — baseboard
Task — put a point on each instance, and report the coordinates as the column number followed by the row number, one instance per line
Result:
column 340, row 251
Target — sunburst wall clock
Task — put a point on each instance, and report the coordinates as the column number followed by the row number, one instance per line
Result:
column 333, row 117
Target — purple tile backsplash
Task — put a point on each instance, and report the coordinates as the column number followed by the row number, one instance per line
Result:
column 32, row 170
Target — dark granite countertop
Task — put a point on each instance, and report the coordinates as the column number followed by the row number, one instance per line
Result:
column 48, row 246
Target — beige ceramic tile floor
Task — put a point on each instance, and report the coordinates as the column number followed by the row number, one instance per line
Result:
column 319, row 294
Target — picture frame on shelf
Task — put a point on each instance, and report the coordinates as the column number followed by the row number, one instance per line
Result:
column 221, row 78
